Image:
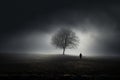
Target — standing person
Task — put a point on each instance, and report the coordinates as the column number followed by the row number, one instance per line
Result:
column 80, row 55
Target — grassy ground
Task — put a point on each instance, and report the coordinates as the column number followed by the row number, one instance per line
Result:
column 61, row 67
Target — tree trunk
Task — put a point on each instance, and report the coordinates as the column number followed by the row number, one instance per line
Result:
column 63, row 51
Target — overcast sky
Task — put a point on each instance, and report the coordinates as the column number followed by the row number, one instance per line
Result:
column 29, row 25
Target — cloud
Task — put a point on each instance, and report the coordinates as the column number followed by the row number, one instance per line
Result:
column 46, row 17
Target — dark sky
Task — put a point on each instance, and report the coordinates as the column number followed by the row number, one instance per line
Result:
column 27, row 22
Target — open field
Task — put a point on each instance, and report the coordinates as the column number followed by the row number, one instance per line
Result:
column 60, row 67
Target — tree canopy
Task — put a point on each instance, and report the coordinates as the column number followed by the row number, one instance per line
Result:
column 65, row 38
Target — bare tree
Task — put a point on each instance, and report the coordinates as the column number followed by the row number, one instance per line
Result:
column 65, row 38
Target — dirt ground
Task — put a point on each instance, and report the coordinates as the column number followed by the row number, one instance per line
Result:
column 61, row 67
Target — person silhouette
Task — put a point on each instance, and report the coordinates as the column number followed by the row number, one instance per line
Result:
column 80, row 55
